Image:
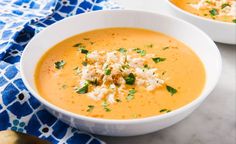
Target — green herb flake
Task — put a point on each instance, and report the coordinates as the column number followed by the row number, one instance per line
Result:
column 78, row 45
column 171, row 90
column 130, row 79
column 131, row 95
column 118, row 100
column 84, row 63
column 83, row 50
column 150, row 46
column 146, row 66
column 163, row 73
column 164, row 110
column 165, row 48
column 95, row 82
column 59, row 64
column 83, row 89
column 209, row 2
column 224, row 5
column 140, row 51
column 64, row 86
column 214, row 12
column 86, row 38
column 107, row 109
column 122, row 50
column 105, row 106
column 234, row 20
column 125, row 66
column 158, row 59
column 77, row 70
column 90, row 108
column 107, row 71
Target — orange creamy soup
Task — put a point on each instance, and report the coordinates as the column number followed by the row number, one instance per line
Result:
column 221, row 10
column 120, row 73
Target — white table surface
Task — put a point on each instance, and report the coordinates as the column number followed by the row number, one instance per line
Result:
column 214, row 122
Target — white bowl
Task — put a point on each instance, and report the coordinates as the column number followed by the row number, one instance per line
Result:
column 201, row 44
column 222, row 32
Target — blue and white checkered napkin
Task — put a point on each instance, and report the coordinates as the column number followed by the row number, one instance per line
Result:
column 20, row 20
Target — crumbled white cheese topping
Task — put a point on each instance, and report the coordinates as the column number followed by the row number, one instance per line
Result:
column 108, row 72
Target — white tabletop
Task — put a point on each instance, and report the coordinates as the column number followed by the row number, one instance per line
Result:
column 214, row 122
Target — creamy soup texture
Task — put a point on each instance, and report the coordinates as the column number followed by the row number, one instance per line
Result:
column 221, row 10
column 120, row 73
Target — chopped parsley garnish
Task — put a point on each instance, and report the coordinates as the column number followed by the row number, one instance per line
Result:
column 165, row 110
column 130, row 79
column 84, row 63
column 209, row 2
column 77, row 70
column 90, row 108
column 125, row 66
column 158, row 59
column 234, row 20
column 107, row 71
column 118, row 100
column 78, row 45
column 83, row 50
column 83, row 89
column 163, row 73
column 107, row 109
column 224, row 5
column 105, row 106
column 95, row 82
column 165, row 48
column 122, row 50
column 140, row 51
column 171, row 90
column 150, row 46
column 64, row 86
column 131, row 94
column 146, row 66
column 81, row 47
column 59, row 64
column 86, row 39
column 214, row 12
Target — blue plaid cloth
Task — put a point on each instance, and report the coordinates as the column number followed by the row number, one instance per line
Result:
column 20, row 20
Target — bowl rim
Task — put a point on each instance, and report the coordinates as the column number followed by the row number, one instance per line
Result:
column 198, row 17
column 182, row 109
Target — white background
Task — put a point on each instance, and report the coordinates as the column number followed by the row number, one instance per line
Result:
column 214, row 122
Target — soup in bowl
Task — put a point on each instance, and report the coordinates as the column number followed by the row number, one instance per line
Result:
column 121, row 72
column 216, row 17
